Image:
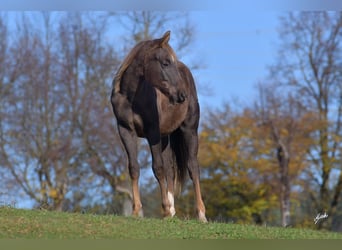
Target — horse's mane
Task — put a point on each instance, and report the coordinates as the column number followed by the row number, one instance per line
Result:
column 126, row 62
column 130, row 57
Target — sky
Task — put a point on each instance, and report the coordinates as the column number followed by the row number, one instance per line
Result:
column 236, row 47
column 236, row 40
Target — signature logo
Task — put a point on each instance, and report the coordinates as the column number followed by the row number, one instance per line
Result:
column 320, row 217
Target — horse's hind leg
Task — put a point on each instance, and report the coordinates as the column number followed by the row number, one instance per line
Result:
column 191, row 140
column 129, row 140
column 123, row 112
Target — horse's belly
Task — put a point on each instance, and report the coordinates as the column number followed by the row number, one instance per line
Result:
column 171, row 116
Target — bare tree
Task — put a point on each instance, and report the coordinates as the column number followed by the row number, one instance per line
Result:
column 38, row 146
column 146, row 25
column 88, row 71
column 57, row 103
column 4, row 94
column 310, row 64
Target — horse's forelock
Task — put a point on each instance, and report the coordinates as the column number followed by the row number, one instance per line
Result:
column 172, row 53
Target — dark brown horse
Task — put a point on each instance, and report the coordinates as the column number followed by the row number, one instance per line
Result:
column 154, row 97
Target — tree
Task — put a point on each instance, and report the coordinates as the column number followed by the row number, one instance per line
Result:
column 310, row 64
column 286, row 122
column 28, row 134
column 5, row 79
column 87, row 71
column 236, row 171
column 56, row 102
column 146, row 25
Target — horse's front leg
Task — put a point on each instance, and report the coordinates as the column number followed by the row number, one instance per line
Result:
column 169, row 168
column 160, row 172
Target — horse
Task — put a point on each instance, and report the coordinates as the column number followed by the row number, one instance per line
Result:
column 154, row 97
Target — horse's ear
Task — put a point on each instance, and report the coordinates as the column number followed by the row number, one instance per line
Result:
column 165, row 39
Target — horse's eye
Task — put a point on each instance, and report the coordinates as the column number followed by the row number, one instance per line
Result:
column 166, row 63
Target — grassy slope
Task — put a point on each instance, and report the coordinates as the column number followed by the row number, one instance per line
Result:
column 26, row 224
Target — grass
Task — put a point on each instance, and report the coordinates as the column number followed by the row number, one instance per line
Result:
column 37, row 224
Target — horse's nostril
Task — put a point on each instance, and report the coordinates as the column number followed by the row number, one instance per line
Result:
column 181, row 97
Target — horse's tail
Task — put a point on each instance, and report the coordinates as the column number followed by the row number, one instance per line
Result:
column 181, row 154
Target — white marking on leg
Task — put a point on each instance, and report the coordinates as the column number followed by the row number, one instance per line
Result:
column 172, row 203
column 201, row 216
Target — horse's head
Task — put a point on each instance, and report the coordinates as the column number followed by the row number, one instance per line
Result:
column 161, row 70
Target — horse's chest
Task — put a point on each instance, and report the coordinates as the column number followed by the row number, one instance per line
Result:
column 148, row 114
column 170, row 115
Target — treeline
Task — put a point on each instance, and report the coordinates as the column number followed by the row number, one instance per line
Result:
column 276, row 161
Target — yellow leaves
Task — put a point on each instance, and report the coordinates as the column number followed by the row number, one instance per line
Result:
column 284, row 132
column 204, row 134
column 50, row 192
column 233, row 145
column 53, row 193
column 242, row 151
column 224, row 144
